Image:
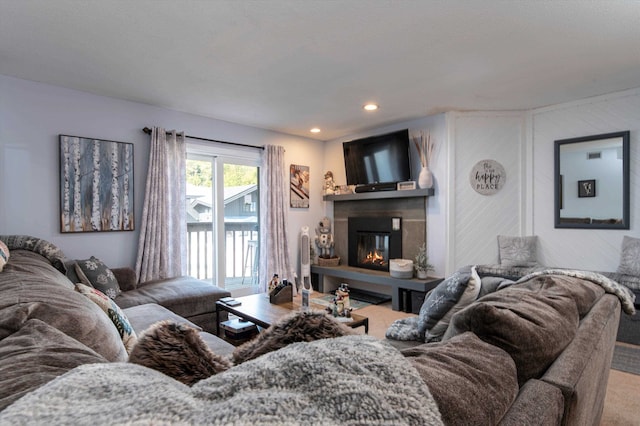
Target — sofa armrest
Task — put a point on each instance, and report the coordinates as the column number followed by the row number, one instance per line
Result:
column 126, row 278
column 581, row 371
column 538, row 403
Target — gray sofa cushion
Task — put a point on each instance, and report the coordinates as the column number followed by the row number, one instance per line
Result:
column 473, row 382
column 33, row 289
column 532, row 323
column 185, row 296
column 142, row 317
column 36, row 354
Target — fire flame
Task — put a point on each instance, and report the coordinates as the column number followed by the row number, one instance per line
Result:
column 374, row 258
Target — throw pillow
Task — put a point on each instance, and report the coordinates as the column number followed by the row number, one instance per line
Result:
column 71, row 271
column 37, row 245
column 4, row 255
column 444, row 297
column 533, row 326
column 517, row 251
column 468, row 296
column 93, row 272
column 178, row 351
column 472, row 382
column 114, row 313
column 630, row 256
column 296, row 327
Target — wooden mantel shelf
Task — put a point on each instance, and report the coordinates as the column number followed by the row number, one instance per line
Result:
column 397, row 285
column 378, row 195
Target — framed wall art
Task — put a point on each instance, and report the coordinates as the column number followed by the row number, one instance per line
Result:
column 96, row 185
column 586, row 188
column 299, row 186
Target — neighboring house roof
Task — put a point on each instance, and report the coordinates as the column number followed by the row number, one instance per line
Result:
column 202, row 196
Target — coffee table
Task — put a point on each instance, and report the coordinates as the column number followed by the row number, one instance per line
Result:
column 257, row 309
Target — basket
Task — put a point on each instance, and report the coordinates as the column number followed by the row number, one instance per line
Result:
column 334, row 261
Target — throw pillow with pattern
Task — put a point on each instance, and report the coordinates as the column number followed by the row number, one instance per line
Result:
column 517, row 251
column 113, row 311
column 93, row 272
column 4, row 255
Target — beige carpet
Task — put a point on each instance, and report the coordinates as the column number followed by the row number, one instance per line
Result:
column 622, row 403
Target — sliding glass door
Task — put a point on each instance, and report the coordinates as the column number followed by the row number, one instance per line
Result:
column 223, row 194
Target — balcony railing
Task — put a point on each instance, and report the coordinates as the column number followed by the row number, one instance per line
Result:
column 240, row 247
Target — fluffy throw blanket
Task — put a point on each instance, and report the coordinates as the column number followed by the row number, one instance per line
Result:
column 626, row 297
column 343, row 381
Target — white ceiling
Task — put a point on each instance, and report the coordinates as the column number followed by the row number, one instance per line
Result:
column 292, row 65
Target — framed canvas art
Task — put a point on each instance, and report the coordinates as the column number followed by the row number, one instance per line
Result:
column 96, row 185
column 299, row 186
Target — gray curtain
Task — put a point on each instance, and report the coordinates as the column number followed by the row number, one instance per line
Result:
column 162, row 243
column 274, row 250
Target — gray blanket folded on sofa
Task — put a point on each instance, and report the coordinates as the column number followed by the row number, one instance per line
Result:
column 346, row 380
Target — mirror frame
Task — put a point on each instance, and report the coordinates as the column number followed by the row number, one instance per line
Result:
column 625, row 135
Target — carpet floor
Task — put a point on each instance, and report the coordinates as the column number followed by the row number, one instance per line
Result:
column 627, row 359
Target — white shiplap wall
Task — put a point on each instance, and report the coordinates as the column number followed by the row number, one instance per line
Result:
column 576, row 248
column 477, row 219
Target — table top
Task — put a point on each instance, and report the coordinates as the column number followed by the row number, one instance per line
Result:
column 257, row 309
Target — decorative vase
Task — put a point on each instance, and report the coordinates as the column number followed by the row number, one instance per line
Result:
column 421, row 274
column 425, row 178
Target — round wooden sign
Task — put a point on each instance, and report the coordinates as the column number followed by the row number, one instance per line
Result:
column 487, row 177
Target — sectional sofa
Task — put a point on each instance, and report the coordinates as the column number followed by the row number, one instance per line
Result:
column 47, row 327
column 535, row 352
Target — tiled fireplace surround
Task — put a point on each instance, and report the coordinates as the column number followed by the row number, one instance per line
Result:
column 411, row 210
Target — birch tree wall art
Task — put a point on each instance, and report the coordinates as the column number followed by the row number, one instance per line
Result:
column 96, row 185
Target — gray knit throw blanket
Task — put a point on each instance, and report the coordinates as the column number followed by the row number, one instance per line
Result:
column 351, row 380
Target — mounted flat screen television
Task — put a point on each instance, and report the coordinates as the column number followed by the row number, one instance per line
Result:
column 378, row 162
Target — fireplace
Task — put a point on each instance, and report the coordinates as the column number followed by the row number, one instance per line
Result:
column 373, row 241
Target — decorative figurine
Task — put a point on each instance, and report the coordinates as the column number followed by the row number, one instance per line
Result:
column 329, row 184
column 273, row 283
column 340, row 305
column 343, row 292
column 324, row 238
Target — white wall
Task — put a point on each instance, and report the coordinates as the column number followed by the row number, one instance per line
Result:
column 461, row 224
column 597, row 249
column 475, row 219
column 32, row 115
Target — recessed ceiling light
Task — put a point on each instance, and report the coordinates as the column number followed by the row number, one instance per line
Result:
column 315, row 130
column 370, row 107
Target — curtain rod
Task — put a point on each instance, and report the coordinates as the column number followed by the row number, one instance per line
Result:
column 147, row 130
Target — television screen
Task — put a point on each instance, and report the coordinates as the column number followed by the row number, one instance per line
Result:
column 378, row 159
